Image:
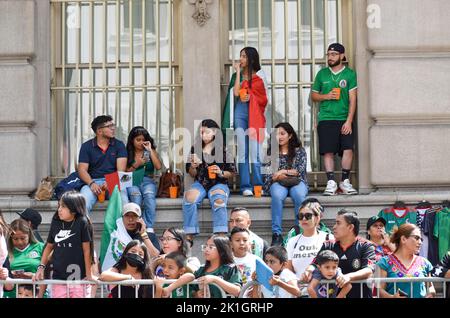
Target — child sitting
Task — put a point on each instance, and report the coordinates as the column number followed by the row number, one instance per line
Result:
column 284, row 280
column 327, row 262
column 173, row 267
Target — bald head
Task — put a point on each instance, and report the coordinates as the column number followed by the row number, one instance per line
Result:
column 239, row 217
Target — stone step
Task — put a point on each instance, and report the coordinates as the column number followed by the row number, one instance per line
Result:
column 169, row 211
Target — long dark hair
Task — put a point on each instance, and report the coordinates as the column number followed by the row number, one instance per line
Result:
column 122, row 262
column 76, row 203
column 223, row 246
column 253, row 62
column 180, row 236
column 208, row 123
column 134, row 132
column 294, row 142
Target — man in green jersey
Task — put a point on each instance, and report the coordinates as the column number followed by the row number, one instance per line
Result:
column 335, row 88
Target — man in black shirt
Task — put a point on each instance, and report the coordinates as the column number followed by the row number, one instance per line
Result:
column 356, row 255
column 136, row 228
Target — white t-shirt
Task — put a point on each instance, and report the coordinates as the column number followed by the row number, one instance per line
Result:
column 278, row 292
column 302, row 250
column 246, row 265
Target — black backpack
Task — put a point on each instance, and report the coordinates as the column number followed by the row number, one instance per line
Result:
column 72, row 182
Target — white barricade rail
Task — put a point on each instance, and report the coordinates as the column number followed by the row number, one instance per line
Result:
column 102, row 285
column 375, row 282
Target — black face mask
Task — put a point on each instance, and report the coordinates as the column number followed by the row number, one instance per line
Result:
column 134, row 260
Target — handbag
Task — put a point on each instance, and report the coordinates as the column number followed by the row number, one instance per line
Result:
column 44, row 191
column 290, row 181
column 169, row 179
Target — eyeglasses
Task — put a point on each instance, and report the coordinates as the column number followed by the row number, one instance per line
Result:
column 209, row 247
column 110, row 126
column 417, row 237
column 168, row 238
column 333, row 54
column 307, row 216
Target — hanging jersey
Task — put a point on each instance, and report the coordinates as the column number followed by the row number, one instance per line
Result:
column 442, row 231
column 397, row 216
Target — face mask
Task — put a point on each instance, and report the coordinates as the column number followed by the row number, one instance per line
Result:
column 134, row 260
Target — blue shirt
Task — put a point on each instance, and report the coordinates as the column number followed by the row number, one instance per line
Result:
column 101, row 162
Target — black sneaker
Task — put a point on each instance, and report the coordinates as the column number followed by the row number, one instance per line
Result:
column 277, row 239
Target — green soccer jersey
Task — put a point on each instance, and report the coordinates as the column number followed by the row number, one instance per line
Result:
column 442, row 231
column 27, row 260
column 228, row 272
column 180, row 292
column 395, row 217
column 324, row 82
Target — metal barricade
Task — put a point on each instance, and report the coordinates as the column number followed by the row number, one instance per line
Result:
column 102, row 284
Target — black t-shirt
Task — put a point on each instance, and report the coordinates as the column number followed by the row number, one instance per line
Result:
column 441, row 269
column 428, row 228
column 67, row 239
column 359, row 255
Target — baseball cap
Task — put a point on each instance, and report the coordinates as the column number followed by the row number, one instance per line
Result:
column 31, row 215
column 337, row 47
column 373, row 220
column 131, row 207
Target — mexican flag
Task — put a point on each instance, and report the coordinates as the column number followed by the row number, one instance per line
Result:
column 124, row 179
column 114, row 237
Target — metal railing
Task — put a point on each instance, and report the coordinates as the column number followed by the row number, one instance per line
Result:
column 104, row 286
column 375, row 283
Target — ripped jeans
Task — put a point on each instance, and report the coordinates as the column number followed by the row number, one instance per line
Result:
column 219, row 209
column 147, row 191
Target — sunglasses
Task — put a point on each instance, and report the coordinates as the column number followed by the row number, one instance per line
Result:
column 306, row 216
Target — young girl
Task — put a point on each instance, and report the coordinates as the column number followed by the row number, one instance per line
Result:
column 173, row 266
column 248, row 89
column 211, row 166
column 174, row 240
column 71, row 240
column 25, row 253
column 289, row 179
column 284, row 281
column 219, row 269
column 133, row 264
column 142, row 154
column 4, row 230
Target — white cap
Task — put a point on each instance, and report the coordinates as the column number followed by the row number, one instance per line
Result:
column 131, row 207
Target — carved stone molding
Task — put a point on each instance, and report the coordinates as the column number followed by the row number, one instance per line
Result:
column 201, row 14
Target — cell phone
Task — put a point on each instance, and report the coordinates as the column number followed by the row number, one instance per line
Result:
column 18, row 271
column 139, row 227
column 402, row 293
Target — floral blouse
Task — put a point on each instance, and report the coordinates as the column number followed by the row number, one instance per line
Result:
column 202, row 169
column 420, row 267
column 299, row 164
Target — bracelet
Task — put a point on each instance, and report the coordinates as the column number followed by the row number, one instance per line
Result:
column 91, row 183
column 41, row 266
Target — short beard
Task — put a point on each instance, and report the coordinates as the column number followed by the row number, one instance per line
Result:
column 335, row 63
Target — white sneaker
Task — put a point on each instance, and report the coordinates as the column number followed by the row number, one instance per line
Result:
column 331, row 188
column 347, row 188
column 247, row 193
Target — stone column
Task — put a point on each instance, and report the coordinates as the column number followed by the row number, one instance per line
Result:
column 201, row 66
column 408, row 93
column 24, row 95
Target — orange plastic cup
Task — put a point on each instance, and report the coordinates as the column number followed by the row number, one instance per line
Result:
column 337, row 90
column 211, row 174
column 173, row 192
column 258, row 191
column 101, row 196
column 242, row 93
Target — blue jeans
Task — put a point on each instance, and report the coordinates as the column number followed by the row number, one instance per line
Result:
column 91, row 198
column 146, row 191
column 248, row 149
column 279, row 193
column 219, row 210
